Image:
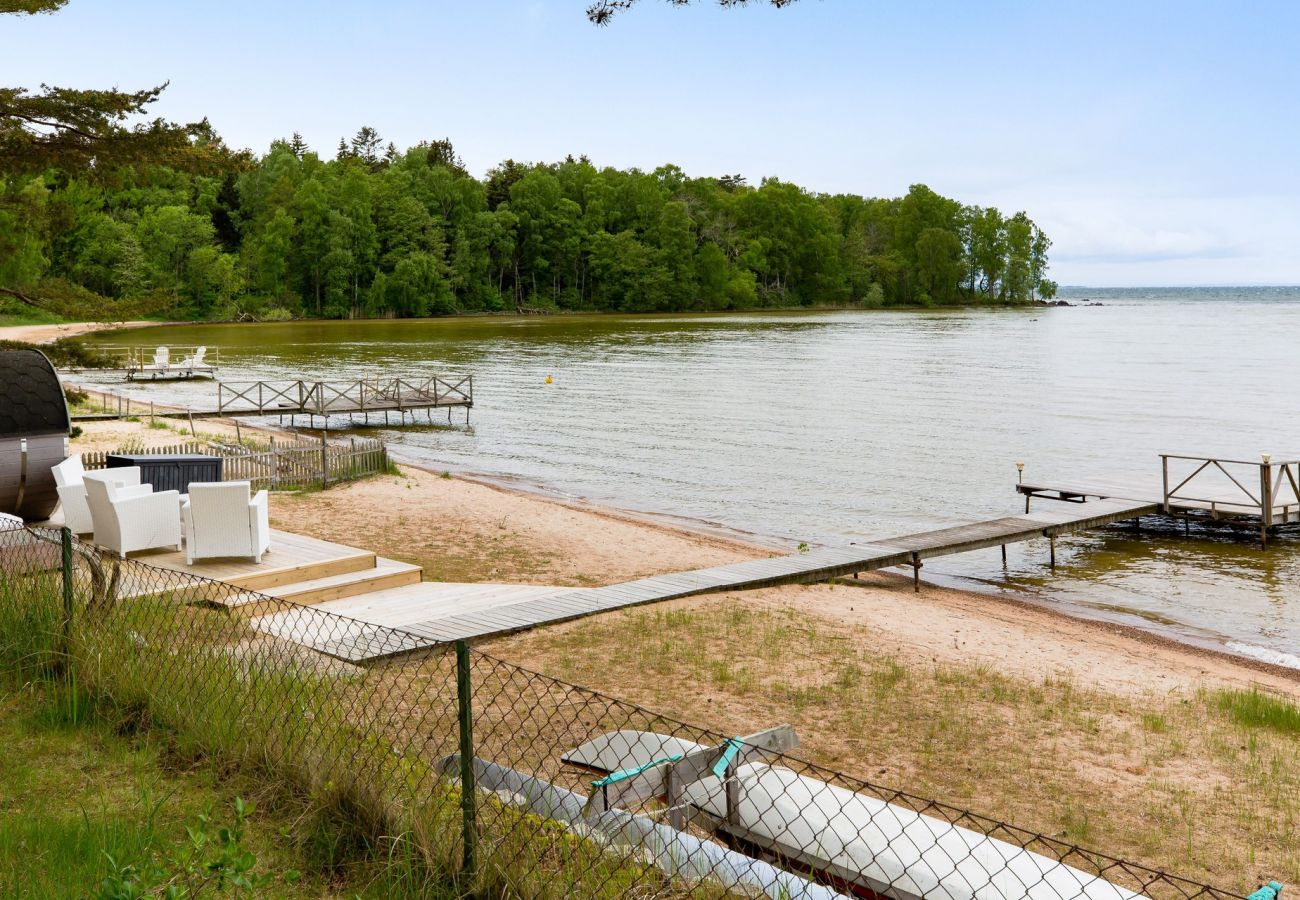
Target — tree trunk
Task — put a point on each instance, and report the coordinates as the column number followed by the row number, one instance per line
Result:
column 21, row 297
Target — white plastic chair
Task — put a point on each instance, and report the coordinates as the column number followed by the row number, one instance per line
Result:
column 195, row 361
column 129, row 516
column 224, row 518
column 161, row 358
column 68, row 477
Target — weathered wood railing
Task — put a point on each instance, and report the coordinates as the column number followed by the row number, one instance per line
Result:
column 279, row 464
column 364, row 395
column 1269, row 489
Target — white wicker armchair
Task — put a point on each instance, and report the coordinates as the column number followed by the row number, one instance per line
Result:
column 129, row 516
column 224, row 518
column 68, row 477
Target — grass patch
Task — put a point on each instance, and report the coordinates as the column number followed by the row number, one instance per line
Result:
column 1205, row 784
column 81, row 795
column 13, row 312
column 152, row 697
column 1255, row 709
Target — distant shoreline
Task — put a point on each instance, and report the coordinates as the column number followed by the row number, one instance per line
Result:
column 48, row 333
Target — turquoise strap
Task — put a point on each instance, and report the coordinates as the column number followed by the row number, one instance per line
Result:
column 622, row 774
column 1269, row 891
column 729, row 751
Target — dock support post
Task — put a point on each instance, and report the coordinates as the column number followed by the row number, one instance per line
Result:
column 1265, row 500
column 1004, row 556
column 1052, row 543
column 916, row 572
column 1026, row 504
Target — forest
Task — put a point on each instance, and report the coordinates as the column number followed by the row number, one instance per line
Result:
column 371, row 231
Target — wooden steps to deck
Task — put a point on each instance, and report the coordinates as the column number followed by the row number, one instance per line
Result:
column 297, row 569
column 383, row 575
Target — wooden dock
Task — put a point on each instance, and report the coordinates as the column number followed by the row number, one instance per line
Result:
column 379, row 395
column 372, row 608
column 416, row 617
column 1263, row 494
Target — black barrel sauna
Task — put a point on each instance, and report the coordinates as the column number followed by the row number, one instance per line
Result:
column 34, row 426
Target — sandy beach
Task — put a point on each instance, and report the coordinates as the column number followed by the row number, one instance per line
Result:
column 44, row 334
column 1005, row 707
column 462, row 529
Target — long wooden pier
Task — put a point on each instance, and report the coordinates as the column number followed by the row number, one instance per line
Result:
column 419, row 616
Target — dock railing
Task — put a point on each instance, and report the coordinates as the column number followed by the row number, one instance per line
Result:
column 1266, row 488
column 466, row 764
column 135, row 359
column 321, row 398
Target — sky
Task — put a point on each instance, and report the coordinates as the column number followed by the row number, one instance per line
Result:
column 1157, row 143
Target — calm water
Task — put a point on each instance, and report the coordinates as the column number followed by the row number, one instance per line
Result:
column 848, row 426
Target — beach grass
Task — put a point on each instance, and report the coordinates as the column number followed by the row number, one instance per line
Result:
column 1204, row 784
column 85, row 790
column 349, row 795
column 1255, row 709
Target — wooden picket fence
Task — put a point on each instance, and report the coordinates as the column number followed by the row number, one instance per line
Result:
column 278, row 465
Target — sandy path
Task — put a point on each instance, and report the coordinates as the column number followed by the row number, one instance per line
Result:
column 44, row 334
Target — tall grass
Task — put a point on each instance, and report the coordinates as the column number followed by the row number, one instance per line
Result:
column 31, row 625
column 1255, row 709
column 358, row 747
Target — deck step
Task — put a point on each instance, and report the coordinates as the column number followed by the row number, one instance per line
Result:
column 271, row 573
column 384, row 574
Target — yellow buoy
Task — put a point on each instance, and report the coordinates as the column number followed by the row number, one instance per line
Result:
column 548, row 379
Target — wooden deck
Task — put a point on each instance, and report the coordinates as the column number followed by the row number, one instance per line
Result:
column 414, row 617
column 291, row 557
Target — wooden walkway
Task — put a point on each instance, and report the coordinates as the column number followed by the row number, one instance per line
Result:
column 420, row 616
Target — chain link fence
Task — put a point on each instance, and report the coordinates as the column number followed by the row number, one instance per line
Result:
column 502, row 780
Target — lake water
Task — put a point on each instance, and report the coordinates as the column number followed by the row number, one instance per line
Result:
column 832, row 427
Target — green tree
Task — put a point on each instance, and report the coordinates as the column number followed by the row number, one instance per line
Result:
column 940, row 264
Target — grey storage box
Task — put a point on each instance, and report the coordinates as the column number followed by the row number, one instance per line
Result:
column 169, row 471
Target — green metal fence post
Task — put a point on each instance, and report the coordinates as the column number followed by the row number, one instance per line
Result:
column 65, row 535
column 464, row 703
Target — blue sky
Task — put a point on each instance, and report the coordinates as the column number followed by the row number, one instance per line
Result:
column 1156, row 142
